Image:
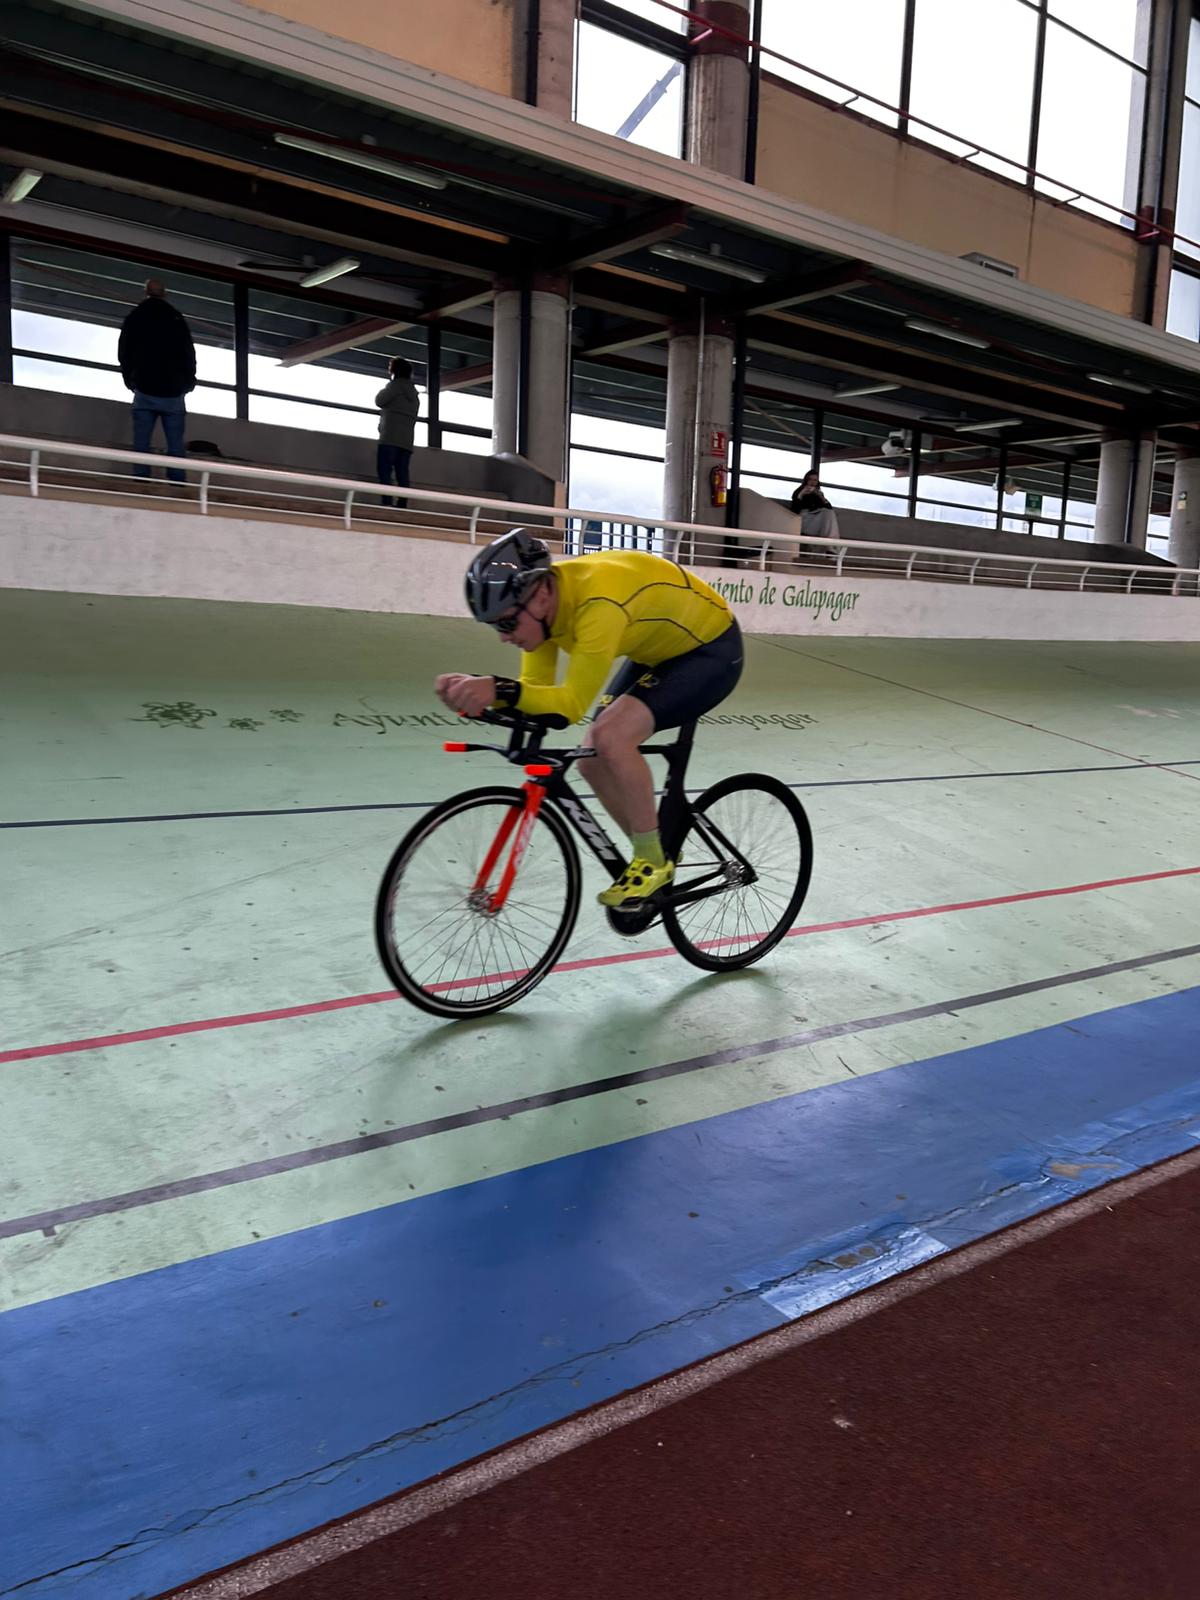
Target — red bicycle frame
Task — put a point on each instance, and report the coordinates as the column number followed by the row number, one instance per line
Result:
column 526, row 816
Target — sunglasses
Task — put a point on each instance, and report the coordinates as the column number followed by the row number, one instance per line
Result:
column 509, row 624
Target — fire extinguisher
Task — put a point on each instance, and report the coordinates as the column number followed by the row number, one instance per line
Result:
column 718, row 484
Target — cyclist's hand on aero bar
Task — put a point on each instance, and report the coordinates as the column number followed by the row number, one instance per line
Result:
column 462, row 693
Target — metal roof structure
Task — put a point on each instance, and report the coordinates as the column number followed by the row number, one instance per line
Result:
column 157, row 147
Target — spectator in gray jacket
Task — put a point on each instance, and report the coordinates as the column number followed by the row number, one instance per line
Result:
column 398, row 404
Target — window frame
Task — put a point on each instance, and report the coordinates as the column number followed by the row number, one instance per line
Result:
column 909, row 125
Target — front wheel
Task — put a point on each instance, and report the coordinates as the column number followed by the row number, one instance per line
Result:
column 744, row 868
column 439, row 939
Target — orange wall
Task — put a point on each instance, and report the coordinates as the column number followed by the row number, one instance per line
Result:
column 836, row 163
column 468, row 39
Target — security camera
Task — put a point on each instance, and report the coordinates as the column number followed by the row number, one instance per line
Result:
column 897, row 444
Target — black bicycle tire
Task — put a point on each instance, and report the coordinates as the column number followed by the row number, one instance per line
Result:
column 412, row 991
column 732, row 963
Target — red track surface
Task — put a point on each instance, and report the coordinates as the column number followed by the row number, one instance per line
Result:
column 1029, row 1428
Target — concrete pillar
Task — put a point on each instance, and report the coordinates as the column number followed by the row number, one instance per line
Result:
column 1163, row 31
column 1123, row 491
column 719, row 88
column 699, row 421
column 531, row 322
column 536, row 407
column 1184, row 548
column 549, row 29
column 506, row 360
column 700, row 354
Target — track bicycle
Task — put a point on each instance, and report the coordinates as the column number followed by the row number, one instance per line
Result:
column 479, row 899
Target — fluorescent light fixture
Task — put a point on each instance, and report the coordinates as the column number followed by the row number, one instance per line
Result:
column 335, row 269
column 1120, row 383
column 23, row 184
column 986, row 427
column 861, row 389
column 701, row 258
column 363, row 158
column 919, row 325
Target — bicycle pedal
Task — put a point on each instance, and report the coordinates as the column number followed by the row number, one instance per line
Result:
column 630, row 923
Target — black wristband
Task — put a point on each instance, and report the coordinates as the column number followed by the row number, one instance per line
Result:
column 508, row 692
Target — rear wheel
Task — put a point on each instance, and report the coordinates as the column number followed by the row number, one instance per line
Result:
column 440, row 942
column 747, row 858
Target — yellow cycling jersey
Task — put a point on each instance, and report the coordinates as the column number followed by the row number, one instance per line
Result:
column 616, row 603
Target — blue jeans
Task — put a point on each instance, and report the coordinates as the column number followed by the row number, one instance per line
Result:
column 392, row 462
column 172, row 412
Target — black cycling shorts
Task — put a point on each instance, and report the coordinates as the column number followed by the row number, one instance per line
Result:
column 686, row 687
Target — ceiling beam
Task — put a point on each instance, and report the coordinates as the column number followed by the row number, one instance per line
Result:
column 628, row 336
column 842, row 278
column 454, row 299
column 467, row 377
column 622, row 238
column 848, row 352
column 336, row 340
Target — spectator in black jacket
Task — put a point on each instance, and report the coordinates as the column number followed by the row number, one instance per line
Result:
column 818, row 519
column 398, row 404
column 158, row 362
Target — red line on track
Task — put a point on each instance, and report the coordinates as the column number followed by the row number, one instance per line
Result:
column 316, row 1007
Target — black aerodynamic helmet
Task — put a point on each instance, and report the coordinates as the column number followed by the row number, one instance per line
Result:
column 504, row 572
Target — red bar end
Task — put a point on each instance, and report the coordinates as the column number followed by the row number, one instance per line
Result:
column 454, row 749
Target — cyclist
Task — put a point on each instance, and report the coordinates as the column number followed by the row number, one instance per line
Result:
column 683, row 651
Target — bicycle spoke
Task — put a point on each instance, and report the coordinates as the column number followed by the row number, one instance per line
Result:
column 747, row 825
column 445, row 944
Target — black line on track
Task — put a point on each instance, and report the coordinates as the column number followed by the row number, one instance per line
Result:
column 421, row 805
column 48, row 1222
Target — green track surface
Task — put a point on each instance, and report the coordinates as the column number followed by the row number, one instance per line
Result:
column 110, row 929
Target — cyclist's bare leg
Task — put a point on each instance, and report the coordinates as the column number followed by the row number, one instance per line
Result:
column 619, row 774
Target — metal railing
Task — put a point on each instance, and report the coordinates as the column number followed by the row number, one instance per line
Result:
column 95, row 475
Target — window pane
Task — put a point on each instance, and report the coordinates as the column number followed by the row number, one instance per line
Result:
column 1158, row 534
column 973, row 69
column 628, row 90
column 614, row 484
column 1123, row 25
column 788, row 466
column 654, row 12
column 71, row 302
column 858, row 42
column 613, row 435
column 33, row 374
column 211, row 402
column 947, row 474
column 323, row 419
column 215, row 366
column 1193, row 59
column 467, row 444
column 1187, row 215
column 471, row 411
column 64, row 336
column 855, row 473
column 315, row 381
column 1091, row 125
column 961, row 516
column 1183, row 306
column 1082, row 512
column 1020, row 515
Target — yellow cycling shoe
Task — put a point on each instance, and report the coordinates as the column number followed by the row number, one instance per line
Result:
column 637, row 883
